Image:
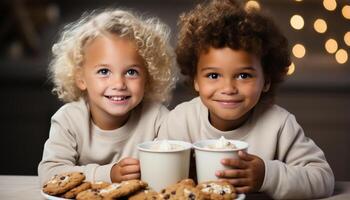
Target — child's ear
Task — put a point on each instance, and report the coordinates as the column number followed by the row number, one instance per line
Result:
column 267, row 85
column 79, row 80
column 195, row 83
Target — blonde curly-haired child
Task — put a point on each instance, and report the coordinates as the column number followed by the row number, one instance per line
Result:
column 113, row 69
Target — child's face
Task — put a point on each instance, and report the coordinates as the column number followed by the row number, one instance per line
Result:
column 114, row 76
column 229, row 83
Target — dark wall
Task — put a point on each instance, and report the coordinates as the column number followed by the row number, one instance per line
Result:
column 26, row 105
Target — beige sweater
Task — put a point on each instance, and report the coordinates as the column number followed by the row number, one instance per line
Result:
column 295, row 168
column 76, row 144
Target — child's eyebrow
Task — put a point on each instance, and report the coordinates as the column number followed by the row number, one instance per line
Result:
column 209, row 68
column 137, row 65
column 248, row 68
column 240, row 68
column 132, row 65
column 101, row 65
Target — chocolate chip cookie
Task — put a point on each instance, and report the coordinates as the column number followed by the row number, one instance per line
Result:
column 71, row 194
column 62, row 183
column 217, row 190
column 184, row 190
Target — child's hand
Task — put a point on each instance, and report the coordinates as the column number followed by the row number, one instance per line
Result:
column 247, row 173
column 126, row 169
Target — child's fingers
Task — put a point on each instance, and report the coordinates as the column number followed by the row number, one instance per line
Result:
column 130, row 169
column 245, row 156
column 131, row 176
column 128, row 161
column 231, row 173
column 234, row 163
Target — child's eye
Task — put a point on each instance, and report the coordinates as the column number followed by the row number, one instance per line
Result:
column 132, row 72
column 244, row 76
column 213, row 75
column 103, row 71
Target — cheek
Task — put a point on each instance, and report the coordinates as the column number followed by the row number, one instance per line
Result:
column 138, row 86
column 253, row 91
column 95, row 85
column 204, row 87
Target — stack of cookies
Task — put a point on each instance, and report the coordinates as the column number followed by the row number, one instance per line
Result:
column 72, row 186
column 66, row 185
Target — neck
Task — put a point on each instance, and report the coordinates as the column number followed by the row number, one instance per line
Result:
column 109, row 122
column 228, row 125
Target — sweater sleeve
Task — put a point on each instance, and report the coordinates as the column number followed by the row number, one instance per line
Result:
column 174, row 126
column 61, row 155
column 300, row 169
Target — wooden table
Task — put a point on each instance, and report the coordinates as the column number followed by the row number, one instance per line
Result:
column 27, row 187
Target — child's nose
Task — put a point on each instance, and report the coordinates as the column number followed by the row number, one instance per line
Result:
column 229, row 87
column 118, row 83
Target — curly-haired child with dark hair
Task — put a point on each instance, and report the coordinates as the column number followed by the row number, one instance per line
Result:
column 113, row 69
column 235, row 58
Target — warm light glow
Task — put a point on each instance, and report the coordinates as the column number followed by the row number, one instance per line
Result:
column 252, row 5
column 347, row 38
column 341, row 56
column 291, row 69
column 299, row 50
column 346, row 11
column 320, row 26
column 330, row 4
column 297, row 22
column 298, row 0
column 331, row 46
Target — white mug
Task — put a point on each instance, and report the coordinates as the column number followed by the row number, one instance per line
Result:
column 163, row 168
column 208, row 160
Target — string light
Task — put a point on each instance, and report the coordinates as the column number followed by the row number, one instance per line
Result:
column 341, row 56
column 299, row 50
column 252, row 5
column 347, row 38
column 346, row 11
column 320, row 26
column 330, row 5
column 291, row 69
column 297, row 22
column 331, row 46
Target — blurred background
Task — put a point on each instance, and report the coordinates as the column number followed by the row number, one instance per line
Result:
column 317, row 89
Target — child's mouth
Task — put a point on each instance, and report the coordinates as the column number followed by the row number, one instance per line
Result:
column 118, row 98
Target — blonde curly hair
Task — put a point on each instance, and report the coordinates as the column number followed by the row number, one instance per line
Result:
column 150, row 36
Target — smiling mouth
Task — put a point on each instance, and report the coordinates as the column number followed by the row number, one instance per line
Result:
column 229, row 103
column 118, row 98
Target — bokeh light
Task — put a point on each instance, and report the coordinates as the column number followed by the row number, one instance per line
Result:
column 341, row 56
column 346, row 11
column 347, row 38
column 320, row 26
column 331, row 46
column 299, row 50
column 297, row 22
column 330, row 4
column 291, row 69
column 252, row 5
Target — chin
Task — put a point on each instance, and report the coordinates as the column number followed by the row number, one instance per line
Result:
column 230, row 117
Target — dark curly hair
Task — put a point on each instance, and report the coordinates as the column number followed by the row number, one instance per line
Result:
column 225, row 23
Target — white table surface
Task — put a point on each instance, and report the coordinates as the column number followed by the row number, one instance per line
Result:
column 27, row 187
column 19, row 187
